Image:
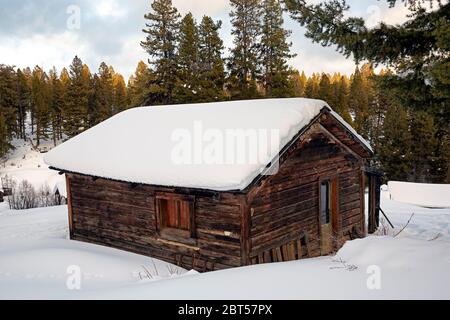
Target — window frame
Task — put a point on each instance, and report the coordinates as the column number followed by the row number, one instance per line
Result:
column 170, row 233
column 333, row 201
column 329, row 210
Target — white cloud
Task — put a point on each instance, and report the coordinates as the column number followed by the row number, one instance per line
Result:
column 39, row 43
column 43, row 50
column 59, row 50
column 395, row 15
column 329, row 63
column 375, row 12
column 110, row 9
column 125, row 62
column 202, row 7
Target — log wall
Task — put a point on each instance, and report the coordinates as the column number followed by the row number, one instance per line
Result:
column 122, row 215
column 287, row 203
column 232, row 229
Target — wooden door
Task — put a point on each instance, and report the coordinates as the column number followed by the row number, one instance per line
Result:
column 374, row 202
column 328, row 214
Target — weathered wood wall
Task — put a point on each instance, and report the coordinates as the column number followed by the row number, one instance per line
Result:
column 122, row 215
column 287, row 203
column 232, row 229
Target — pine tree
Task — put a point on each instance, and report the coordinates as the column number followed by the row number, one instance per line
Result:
column 368, row 74
column 312, row 87
column 302, row 84
column 161, row 43
column 5, row 138
column 342, row 99
column 8, row 103
column 334, row 84
column 274, row 50
column 78, row 98
column 382, row 102
column 139, row 86
column 187, row 87
column 440, row 171
column 23, row 101
column 103, row 95
column 243, row 63
column 96, row 106
column 395, row 155
column 297, row 83
column 359, row 103
column 65, row 77
column 57, row 104
column 65, row 84
column 212, row 70
column 120, row 93
column 325, row 90
column 40, row 96
column 88, row 85
column 423, row 146
column 417, row 50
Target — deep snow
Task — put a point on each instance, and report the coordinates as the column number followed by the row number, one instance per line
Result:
column 421, row 194
column 35, row 255
column 409, row 269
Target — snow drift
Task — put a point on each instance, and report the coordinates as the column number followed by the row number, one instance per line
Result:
column 421, row 194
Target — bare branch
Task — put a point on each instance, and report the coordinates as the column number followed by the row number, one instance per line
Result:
column 404, row 227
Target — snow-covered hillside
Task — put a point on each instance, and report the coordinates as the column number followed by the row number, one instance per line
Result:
column 27, row 163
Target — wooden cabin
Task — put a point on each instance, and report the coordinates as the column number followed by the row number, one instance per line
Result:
column 123, row 191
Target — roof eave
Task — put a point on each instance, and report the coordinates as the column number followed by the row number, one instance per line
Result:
column 349, row 132
column 324, row 110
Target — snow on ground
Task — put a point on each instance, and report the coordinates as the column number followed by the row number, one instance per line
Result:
column 425, row 223
column 421, row 194
column 409, row 269
column 35, row 254
column 413, row 265
column 35, row 251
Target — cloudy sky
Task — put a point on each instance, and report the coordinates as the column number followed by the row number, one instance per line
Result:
column 46, row 32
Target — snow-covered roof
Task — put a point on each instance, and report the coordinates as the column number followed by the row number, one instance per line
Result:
column 149, row 144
